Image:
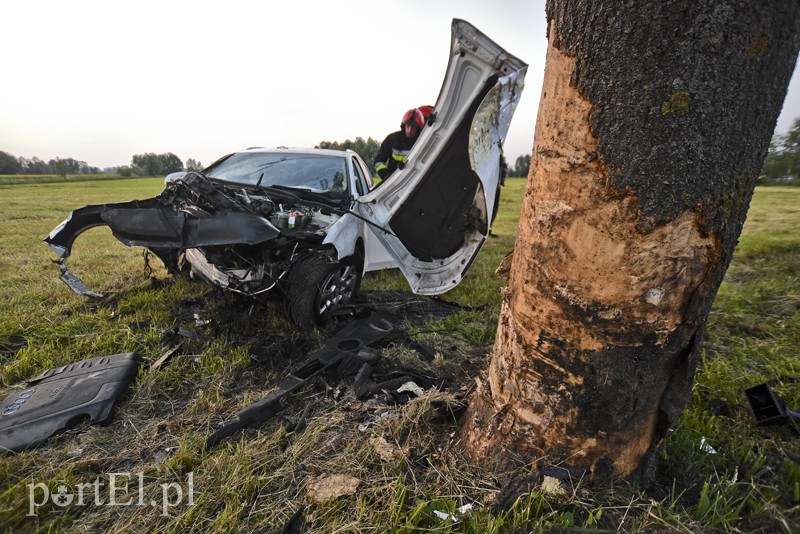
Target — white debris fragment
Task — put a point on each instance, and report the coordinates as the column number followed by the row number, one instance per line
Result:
column 705, row 446
column 464, row 509
column 411, row 387
column 444, row 516
column 460, row 511
column 364, row 426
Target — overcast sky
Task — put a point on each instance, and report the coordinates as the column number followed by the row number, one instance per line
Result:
column 100, row 81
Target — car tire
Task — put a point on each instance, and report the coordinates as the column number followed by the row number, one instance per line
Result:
column 317, row 287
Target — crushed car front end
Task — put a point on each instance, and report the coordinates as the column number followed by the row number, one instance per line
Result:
column 242, row 237
column 310, row 222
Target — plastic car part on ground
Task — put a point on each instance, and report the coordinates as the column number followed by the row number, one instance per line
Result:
column 768, row 408
column 349, row 341
column 62, row 397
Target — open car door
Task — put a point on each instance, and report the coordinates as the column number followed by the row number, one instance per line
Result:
column 433, row 215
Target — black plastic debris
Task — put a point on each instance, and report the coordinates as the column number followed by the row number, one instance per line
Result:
column 719, row 408
column 296, row 524
column 62, row 397
column 768, row 408
column 177, row 339
column 365, row 387
column 416, row 309
column 350, row 341
column 425, row 353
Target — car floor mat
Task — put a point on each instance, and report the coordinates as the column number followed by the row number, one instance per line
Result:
column 61, row 397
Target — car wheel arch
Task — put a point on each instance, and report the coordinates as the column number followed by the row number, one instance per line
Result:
column 343, row 236
column 310, row 279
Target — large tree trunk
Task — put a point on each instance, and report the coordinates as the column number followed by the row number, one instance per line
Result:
column 654, row 121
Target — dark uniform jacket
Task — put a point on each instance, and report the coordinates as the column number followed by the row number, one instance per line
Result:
column 393, row 153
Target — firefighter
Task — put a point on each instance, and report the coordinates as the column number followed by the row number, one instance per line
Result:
column 395, row 148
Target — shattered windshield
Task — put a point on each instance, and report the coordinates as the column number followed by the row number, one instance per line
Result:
column 317, row 173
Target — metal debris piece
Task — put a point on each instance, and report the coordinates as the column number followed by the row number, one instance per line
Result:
column 76, row 284
column 416, row 309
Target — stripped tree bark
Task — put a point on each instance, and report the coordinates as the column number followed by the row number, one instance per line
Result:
column 654, row 121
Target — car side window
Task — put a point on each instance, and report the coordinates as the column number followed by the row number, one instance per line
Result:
column 369, row 184
column 361, row 183
column 368, row 178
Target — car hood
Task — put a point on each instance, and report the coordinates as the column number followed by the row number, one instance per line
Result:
column 433, row 215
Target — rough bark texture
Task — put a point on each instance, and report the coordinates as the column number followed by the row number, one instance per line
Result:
column 654, row 121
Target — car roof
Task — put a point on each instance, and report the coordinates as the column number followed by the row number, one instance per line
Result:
column 299, row 151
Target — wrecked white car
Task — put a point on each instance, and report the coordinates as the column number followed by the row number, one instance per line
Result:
column 309, row 223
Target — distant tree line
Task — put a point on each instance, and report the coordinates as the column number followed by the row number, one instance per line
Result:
column 147, row 164
column 783, row 159
column 13, row 165
column 521, row 166
column 152, row 164
column 366, row 149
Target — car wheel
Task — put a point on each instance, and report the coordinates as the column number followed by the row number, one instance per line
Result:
column 318, row 287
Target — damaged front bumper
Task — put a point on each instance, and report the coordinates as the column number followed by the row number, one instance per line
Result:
column 164, row 229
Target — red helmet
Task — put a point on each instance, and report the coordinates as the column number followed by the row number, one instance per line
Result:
column 426, row 112
column 414, row 116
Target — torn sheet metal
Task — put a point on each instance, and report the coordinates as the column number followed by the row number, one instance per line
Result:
column 160, row 225
column 489, row 129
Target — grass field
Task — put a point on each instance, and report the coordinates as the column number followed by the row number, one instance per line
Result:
column 13, row 179
column 404, row 467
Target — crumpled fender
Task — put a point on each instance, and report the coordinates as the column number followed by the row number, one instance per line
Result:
column 150, row 223
column 343, row 235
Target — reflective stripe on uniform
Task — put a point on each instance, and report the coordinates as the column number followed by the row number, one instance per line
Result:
column 400, row 155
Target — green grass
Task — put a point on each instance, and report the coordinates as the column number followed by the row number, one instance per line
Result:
column 11, row 179
column 258, row 480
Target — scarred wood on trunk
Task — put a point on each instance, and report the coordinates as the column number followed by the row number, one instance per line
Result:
column 620, row 248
